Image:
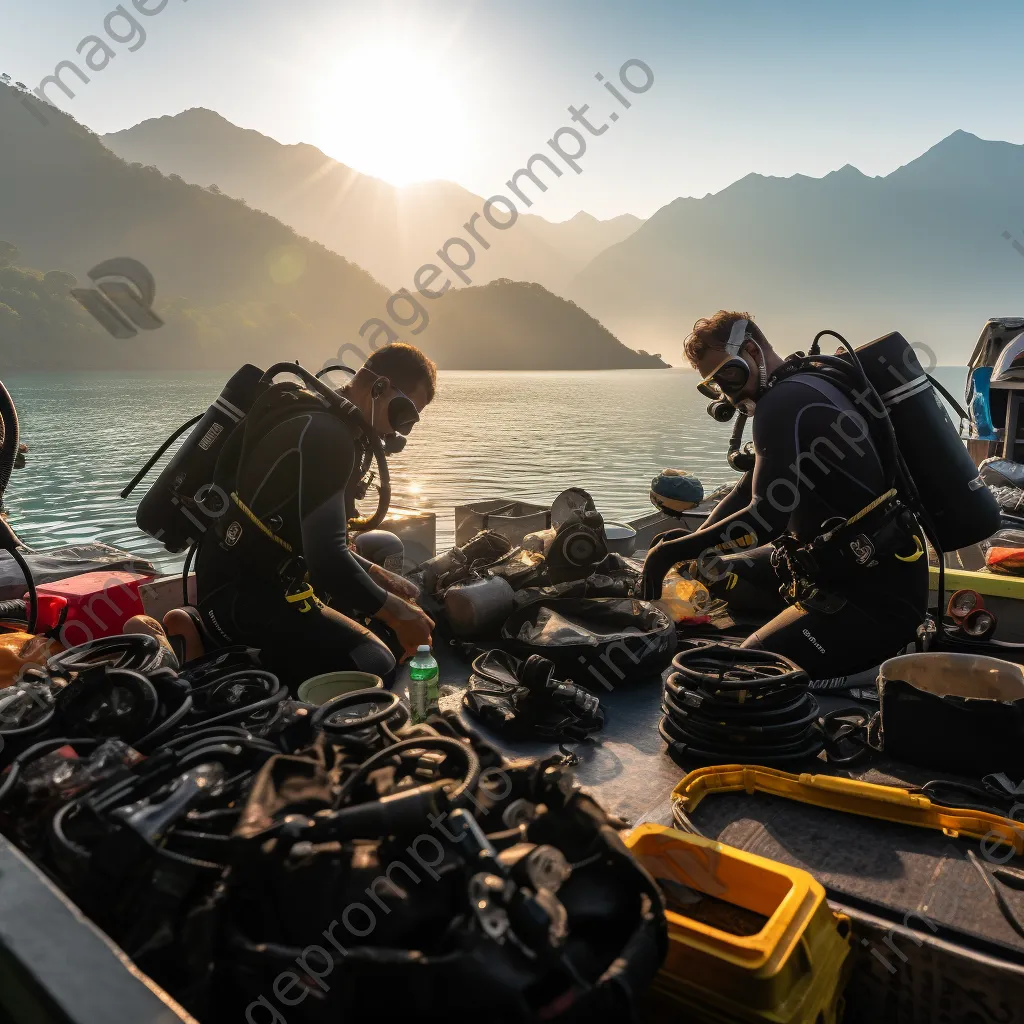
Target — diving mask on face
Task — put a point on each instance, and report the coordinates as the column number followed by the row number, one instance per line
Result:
column 731, row 375
column 402, row 412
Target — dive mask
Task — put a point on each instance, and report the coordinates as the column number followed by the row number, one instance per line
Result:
column 731, row 375
column 726, row 380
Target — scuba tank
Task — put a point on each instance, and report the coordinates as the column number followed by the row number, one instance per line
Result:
column 961, row 508
column 179, row 507
column 929, row 461
column 183, row 502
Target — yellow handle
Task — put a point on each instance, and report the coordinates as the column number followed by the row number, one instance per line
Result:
column 302, row 595
column 916, row 555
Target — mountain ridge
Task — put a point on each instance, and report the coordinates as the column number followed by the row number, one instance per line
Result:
column 921, row 250
column 232, row 283
column 388, row 230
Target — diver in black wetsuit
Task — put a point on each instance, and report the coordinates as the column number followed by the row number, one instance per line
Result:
column 818, row 464
column 280, row 554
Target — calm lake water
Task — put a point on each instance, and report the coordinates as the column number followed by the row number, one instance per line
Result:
column 487, row 434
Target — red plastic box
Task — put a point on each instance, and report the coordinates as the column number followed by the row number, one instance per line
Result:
column 99, row 603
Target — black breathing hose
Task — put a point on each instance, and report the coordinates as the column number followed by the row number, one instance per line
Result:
column 11, row 438
column 740, row 460
column 155, row 457
column 8, row 538
column 732, row 705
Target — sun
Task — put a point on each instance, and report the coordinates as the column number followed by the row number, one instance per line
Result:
column 394, row 110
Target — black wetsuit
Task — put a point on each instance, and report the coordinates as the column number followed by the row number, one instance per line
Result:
column 294, row 479
column 816, row 460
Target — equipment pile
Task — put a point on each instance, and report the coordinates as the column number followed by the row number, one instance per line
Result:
column 222, row 833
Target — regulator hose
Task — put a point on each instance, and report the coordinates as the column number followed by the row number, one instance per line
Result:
column 740, row 460
column 11, row 437
column 349, row 412
column 734, row 705
column 8, row 538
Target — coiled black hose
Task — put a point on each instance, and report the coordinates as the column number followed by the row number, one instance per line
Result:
column 138, row 652
column 733, row 705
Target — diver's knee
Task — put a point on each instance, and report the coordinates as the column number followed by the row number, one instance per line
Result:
column 375, row 658
column 382, row 548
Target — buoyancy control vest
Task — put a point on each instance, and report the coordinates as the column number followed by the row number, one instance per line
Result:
column 263, row 548
column 914, row 437
column 185, row 500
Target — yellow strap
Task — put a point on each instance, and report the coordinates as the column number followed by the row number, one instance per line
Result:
column 737, row 543
column 259, row 522
column 307, row 596
column 916, row 555
column 869, row 508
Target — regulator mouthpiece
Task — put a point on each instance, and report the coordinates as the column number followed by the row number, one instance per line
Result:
column 722, row 411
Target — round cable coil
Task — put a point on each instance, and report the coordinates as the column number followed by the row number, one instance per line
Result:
column 733, row 705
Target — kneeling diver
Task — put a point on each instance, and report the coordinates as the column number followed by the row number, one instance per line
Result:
column 817, row 467
column 281, row 552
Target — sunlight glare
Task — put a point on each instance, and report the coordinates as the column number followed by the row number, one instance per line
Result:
column 394, row 110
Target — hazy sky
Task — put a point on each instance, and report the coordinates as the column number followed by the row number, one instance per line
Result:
column 469, row 90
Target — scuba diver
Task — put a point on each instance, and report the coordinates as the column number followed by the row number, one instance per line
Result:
column 815, row 511
column 277, row 572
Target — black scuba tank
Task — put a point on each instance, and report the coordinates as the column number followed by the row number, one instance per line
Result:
column 959, row 504
column 182, row 503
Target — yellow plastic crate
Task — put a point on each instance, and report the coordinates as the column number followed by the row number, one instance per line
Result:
column 791, row 971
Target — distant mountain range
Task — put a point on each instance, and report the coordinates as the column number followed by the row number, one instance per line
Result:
column 389, row 231
column 232, row 283
column 933, row 250
column 926, row 250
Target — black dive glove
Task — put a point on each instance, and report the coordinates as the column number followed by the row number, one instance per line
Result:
column 656, row 567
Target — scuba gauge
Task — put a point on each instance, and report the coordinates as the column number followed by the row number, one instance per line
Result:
column 967, row 610
column 962, row 603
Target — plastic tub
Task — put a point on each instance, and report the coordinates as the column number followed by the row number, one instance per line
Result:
column 320, row 689
column 962, row 675
column 621, row 538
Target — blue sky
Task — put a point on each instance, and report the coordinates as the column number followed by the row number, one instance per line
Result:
column 467, row 91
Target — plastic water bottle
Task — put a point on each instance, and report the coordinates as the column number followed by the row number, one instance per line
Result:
column 423, row 674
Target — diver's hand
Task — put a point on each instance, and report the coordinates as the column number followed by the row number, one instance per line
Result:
column 657, row 564
column 670, row 535
column 412, row 625
column 395, row 584
column 653, row 576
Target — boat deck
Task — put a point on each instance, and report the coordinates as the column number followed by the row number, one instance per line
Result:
column 931, row 942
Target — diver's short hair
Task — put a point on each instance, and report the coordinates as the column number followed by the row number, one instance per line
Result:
column 711, row 332
column 405, row 366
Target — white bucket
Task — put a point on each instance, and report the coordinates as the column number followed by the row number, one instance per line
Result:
column 962, row 675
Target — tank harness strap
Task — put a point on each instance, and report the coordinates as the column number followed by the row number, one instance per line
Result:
column 867, row 509
column 891, row 493
column 305, row 594
column 248, row 512
column 837, row 551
